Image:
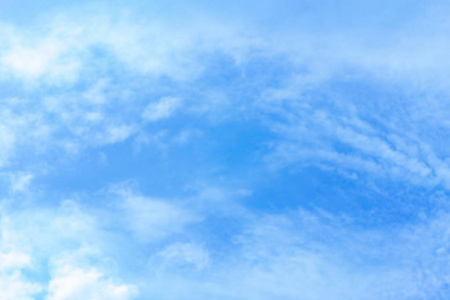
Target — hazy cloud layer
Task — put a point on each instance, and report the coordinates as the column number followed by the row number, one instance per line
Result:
column 235, row 150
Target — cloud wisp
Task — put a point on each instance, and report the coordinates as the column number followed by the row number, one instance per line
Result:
column 230, row 151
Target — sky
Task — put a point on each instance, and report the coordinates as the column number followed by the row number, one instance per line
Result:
column 224, row 150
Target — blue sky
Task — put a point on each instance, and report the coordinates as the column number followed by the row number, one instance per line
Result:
column 226, row 150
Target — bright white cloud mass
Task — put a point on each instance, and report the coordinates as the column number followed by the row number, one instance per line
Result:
column 224, row 150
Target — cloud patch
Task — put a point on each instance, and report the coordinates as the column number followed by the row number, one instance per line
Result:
column 162, row 109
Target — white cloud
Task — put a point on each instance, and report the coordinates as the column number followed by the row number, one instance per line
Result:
column 163, row 109
column 152, row 219
column 7, row 142
column 21, row 182
column 32, row 63
column 13, row 260
column 73, row 283
column 67, row 239
column 315, row 255
column 277, row 260
column 160, row 46
column 344, row 136
column 116, row 134
column 96, row 94
column 180, row 254
column 298, row 256
column 98, row 114
column 15, row 287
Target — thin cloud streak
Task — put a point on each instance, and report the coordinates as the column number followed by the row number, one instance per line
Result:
column 207, row 108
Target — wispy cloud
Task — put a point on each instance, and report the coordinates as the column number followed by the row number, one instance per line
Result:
column 162, row 109
column 152, row 219
column 70, row 281
column 224, row 102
